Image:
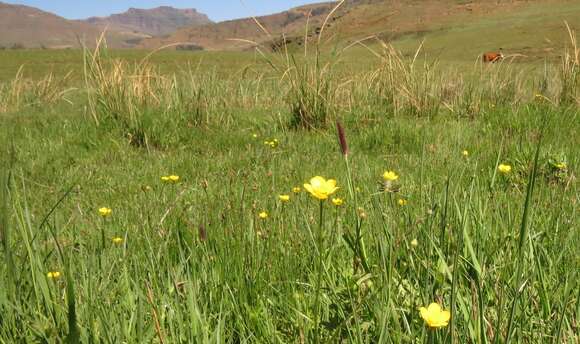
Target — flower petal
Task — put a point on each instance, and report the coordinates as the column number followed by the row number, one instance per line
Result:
column 317, row 181
column 434, row 308
column 445, row 316
column 424, row 313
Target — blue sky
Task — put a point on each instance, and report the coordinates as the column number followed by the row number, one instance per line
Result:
column 217, row 10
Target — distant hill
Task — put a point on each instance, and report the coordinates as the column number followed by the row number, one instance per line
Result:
column 24, row 26
column 155, row 22
column 240, row 33
column 450, row 28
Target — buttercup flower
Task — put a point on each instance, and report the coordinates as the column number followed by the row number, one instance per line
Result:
column 465, row 153
column 105, row 212
column 561, row 165
column 170, row 179
column 117, row 240
column 337, row 201
column 296, row 189
column 53, row 274
column 284, row 198
column 505, row 169
column 321, row 188
column 435, row 316
column 263, row 215
column 540, row 97
column 255, row 136
column 273, row 144
column 390, row 176
column 402, row 202
column 414, row 243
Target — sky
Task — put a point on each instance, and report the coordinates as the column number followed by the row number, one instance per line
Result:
column 217, row 10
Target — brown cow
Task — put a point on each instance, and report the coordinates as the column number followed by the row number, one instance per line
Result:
column 492, row 57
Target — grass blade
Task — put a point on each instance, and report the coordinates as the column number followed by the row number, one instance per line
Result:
column 522, row 240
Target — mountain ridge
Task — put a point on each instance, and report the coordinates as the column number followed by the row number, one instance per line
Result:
column 30, row 27
column 161, row 20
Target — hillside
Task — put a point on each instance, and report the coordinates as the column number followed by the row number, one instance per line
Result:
column 238, row 34
column 449, row 28
column 452, row 29
column 24, row 26
column 155, row 22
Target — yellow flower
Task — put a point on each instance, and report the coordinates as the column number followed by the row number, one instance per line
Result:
column 296, row 189
column 465, row 153
column 284, row 198
column 561, row 166
column 263, row 215
column 255, row 136
column 402, row 202
column 539, row 97
column 117, row 240
column 170, row 179
column 105, row 212
column 435, row 316
column 337, row 201
column 505, row 169
column 53, row 274
column 321, row 188
column 414, row 243
column 390, row 176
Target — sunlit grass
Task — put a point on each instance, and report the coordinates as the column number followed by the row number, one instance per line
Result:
column 445, row 215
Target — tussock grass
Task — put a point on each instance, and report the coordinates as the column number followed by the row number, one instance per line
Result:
column 570, row 72
column 141, row 101
column 144, row 104
column 21, row 92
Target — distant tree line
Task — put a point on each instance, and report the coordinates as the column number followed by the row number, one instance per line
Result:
column 189, row 47
column 14, row 46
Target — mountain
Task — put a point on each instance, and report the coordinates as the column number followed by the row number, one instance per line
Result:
column 24, row 26
column 155, row 22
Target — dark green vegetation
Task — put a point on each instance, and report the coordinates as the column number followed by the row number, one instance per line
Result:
column 194, row 262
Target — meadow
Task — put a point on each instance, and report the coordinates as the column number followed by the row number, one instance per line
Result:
column 170, row 198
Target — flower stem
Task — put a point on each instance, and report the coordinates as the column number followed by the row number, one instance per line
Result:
column 359, row 249
column 430, row 336
column 319, row 276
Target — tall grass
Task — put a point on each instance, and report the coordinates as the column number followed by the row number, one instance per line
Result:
column 144, row 103
column 312, row 94
column 22, row 92
column 570, row 72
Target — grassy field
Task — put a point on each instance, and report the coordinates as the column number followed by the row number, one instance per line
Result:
column 218, row 256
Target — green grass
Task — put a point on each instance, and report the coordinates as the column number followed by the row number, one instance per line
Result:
column 197, row 264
